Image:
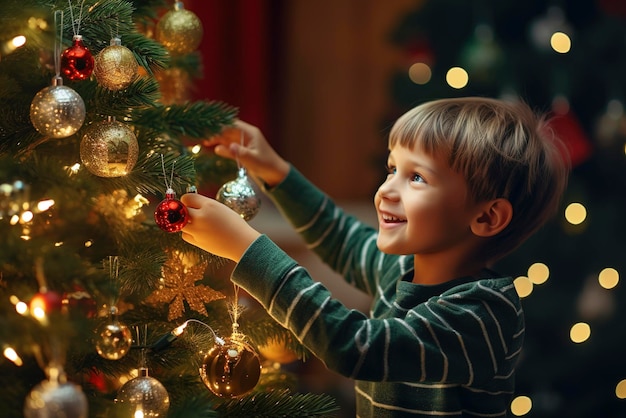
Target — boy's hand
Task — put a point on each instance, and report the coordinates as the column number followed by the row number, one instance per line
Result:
column 252, row 151
column 216, row 228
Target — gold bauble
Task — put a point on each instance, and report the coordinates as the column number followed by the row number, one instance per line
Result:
column 115, row 67
column 109, row 149
column 179, row 30
column 114, row 340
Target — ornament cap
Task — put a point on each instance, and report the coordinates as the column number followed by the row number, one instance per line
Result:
column 78, row 37
column 170, row 193
column 179, row 5
column 115, row 41
column 57, row 80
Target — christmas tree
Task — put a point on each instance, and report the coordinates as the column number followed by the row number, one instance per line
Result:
column 104, row 310
column 566, row 59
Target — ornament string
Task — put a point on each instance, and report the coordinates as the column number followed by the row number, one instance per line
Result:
column 114, row 274
column 58, row 40
column 168, row 187
column 76, row 22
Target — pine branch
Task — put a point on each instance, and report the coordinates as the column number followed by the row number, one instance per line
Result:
column 279, row 404
column 200, row 119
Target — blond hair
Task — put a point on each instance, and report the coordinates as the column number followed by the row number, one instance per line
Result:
column 502, row 148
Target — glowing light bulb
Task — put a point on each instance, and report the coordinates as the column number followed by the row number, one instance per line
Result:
column 575, row 213
column 521, row 405
column 457, row 77
column 580, row 332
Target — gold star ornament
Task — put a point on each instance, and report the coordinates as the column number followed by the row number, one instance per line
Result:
column 178, row 285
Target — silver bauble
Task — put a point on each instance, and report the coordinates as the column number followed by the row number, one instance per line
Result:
column 145, row 394
column 239, row 195
column 57, row 111
column 52, row 399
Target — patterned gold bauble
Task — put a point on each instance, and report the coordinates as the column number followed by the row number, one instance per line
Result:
column 179, row 30
column 115, row 67
column 57, row 111
column 109, row 149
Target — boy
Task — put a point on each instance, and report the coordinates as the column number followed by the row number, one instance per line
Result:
column 468, row 181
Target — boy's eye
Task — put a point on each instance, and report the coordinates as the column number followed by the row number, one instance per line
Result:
column 417, row 178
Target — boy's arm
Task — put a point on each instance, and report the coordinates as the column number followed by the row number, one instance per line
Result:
column 463, row 338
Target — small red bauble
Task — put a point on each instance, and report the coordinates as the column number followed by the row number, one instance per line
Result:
column 76, row 61
column 47, row 301
column 171, row 215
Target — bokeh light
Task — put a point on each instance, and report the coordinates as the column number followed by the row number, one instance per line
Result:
column 620, row 389
column 580, row 332
column 608, row 278
column 521, row 405
column 457, row 77
column 575, row 213
column 538, row 273
column 561, row 42
column 420, row 73
column 523, row 286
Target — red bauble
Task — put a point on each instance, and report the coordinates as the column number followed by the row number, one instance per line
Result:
column 47, row 301
column 81, row 301
column 76, row 61
column 171, row 215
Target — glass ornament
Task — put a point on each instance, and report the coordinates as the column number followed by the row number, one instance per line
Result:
column 239, row 195
column 231, row 368
column 76, row 61
column 109, row 148
column 171, row 215
column 179, row 30
column 115, row 67
column 56, row 398
column 143, row 396
column 113, row 339
column 57, row 111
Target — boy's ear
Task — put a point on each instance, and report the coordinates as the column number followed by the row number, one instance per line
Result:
column 494, row 217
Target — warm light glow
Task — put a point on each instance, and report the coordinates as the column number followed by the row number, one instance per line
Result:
column 138, row 414
column 521, row 405
column 10, row 354
column 26, row 217
column 44, row 205
column 88, row 243
column 538, row 273
column 523, row 286
column 196, row 148
column 457, row 77
column 18, row 41
column 39, row 313
column 420, row 73
column 608, row 278
column 180, row 329
column 560, row 42
column 620, row 389
column 21, row 308
column 575, row 213
column 15, row 219
column 580, row 332
column 74, row 168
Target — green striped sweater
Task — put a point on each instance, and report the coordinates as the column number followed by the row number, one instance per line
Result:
column 446, row 350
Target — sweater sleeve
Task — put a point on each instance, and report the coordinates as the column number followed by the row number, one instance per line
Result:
column 457, row 338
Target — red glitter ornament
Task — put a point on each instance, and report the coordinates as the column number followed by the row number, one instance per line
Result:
column 76, row 61
column 171, row 215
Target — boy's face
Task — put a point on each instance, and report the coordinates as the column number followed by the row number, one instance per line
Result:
column 422, row 206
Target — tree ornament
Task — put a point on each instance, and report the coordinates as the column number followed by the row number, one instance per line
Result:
column 77, row 62
column 231, row 368
column 57, row 111
column 46, row 301
column 179, row 285
column 79, row 300
column 170, row 214
column 179, row 30
column 113, row 339
column 143, row 396
column 56, row 398
column 109, row 148
column 239, row 195
column 115, row 67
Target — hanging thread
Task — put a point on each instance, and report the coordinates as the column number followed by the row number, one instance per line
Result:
column 76, row 22
column 58, row 40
